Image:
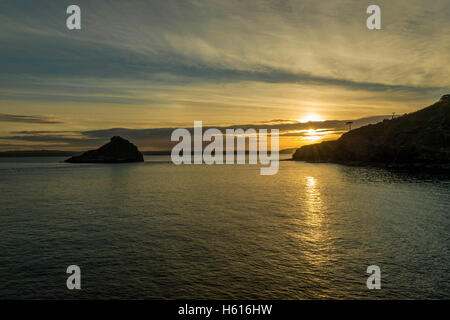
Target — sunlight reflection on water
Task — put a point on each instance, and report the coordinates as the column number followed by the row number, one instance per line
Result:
column 155, row 230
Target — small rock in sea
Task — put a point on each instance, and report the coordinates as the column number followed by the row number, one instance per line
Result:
column 118, row 150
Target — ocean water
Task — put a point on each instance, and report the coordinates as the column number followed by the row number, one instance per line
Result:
column 154, row 230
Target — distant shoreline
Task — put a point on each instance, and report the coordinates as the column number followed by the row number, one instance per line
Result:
column 59, row 153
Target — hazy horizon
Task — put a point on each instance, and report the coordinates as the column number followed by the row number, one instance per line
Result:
column 293, row 134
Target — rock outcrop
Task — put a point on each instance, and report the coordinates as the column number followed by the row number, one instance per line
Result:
column 118, row 150
column 419, row 139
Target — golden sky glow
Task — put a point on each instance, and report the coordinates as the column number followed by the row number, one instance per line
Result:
column 144, row 65
column 310, row 117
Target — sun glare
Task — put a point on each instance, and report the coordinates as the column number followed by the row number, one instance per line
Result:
column 313, row 135
column 310, row 117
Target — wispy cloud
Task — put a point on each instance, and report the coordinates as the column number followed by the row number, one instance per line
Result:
column 211, row 40
column 220, row 61
column 27, row 119
column 159, row 138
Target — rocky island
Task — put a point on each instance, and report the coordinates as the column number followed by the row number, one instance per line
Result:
column 118, row 150
column 419, row 139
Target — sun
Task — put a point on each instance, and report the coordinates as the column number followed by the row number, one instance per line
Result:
column 310, row 117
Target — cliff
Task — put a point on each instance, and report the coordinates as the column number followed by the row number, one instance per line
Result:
column 419, row 139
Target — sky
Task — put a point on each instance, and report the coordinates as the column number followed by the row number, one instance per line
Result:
column 140, row 68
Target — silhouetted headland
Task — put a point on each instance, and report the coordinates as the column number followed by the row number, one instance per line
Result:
column 118, row 150
column 419, row 139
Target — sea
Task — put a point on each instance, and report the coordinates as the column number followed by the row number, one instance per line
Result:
column 154, row 230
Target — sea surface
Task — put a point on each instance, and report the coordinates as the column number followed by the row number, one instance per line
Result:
column 154, row 230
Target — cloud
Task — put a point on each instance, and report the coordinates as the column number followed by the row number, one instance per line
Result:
column 27, row 119
column 301, row 42
column 225, row 62
column 24, row 96
column 159, row 138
